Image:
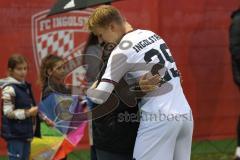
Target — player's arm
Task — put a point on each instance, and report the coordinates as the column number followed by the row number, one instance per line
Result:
column 116, row 68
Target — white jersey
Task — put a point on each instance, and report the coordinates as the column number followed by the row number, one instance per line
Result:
column 142, row 51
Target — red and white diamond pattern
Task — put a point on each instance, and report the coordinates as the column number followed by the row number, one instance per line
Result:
column 59, row 43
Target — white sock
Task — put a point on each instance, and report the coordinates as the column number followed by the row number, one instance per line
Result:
column 238, row 152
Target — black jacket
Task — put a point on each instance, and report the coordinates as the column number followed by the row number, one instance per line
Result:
column 234, row 37
column 116, row 132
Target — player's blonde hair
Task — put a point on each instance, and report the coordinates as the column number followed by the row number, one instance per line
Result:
column 103, row 16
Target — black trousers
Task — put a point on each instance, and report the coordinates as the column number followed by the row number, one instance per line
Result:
column 98, row 154
column 238, row 132
column 93, row 153
column 238, row 128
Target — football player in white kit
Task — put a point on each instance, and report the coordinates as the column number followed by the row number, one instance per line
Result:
column 166, row 123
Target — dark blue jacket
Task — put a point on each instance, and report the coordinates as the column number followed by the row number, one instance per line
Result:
column 20, row 129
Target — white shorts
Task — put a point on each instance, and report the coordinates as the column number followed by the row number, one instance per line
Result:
column 168, row 139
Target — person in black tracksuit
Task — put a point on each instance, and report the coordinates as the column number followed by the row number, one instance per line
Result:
column 234, row 37
column 112, row 138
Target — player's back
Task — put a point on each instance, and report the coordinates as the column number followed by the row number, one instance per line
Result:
column 149, row 53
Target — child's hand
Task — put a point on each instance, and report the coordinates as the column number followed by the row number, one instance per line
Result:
column 32, row 112
column 49, row 122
